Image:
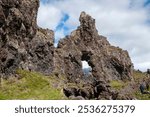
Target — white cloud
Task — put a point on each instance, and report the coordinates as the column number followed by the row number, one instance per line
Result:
column 48, row 16
column 124, row 22
column 58, row 35
column 85, row 65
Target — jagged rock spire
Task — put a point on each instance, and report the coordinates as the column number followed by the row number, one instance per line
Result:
column 87, row 26
column 86, row 21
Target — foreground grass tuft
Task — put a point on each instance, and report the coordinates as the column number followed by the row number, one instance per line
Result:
column 31, row 85
column 116, row 84
column 140, row 96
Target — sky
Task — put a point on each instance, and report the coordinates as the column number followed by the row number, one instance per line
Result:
column 125, row 23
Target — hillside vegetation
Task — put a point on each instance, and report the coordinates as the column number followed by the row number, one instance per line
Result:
column 131, row 88
column 138, row 78
column 30, row 85
column 33, row 85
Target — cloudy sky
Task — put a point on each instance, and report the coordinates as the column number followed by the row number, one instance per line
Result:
column 126, row 23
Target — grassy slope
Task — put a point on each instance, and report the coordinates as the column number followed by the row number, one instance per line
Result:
column 117, row 85
column 138, row 77
column 31, row 85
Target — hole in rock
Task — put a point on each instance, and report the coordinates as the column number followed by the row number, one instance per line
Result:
column 3, row 59
column 86, row 68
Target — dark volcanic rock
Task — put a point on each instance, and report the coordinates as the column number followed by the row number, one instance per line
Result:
column 107, row 62
column 22, row 44
column 84, row 44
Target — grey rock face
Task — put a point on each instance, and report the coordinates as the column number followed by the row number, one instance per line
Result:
column 107, row 62
column 84, row 44
column 22, row 44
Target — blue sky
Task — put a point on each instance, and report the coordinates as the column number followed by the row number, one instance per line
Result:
column 147, row 2
column 126, row 23
column 62, row 27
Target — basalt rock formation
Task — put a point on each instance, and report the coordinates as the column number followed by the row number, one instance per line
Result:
column 85, row 44
column 107, row 62
column 23, row 45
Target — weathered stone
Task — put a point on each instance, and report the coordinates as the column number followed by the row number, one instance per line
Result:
column 107, row 62
column 148, row 71
column 85, row 44
column 76, row 98
column 70, row 91
column 22, row 44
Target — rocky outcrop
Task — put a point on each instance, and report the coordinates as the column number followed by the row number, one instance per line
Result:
column 85, row 44
column 22, row 44
column 107, row 62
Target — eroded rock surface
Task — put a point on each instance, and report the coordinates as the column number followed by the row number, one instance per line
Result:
column 85, row 44
column 107, row 62
column 22, row 44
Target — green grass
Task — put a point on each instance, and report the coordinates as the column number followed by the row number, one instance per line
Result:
column 137, row 75
column 116, row 84
column 138, row 78
column 140, row 96
column 31, row 85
